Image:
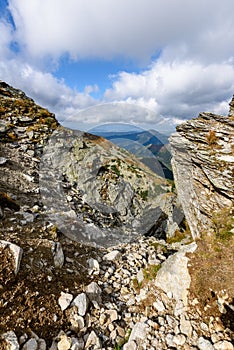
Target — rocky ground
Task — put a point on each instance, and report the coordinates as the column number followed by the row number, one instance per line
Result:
column 57, row 293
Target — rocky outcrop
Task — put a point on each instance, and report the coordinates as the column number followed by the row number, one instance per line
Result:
column 203, row 166
column 98, row 192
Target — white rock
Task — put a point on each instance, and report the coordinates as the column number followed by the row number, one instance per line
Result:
column 138, row 331
column 64, row 342
column 94, row 266
column 179, row 339
column 130, row 345
column 204, row 344
column 140, row 276
column 93, row 340
column 223, row 345
column 159, row 306
column 82, row 303
column 11, row 340
column 185, row 326
column 174, row 276
column 30, row 345
column 65, row 300
column 16, row 251
column 114, row 255
column 113, row 315
column 58, row 255
column 3, row 160
column 94, row 292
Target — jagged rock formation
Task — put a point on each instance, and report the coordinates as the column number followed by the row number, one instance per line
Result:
column 59, row 294
column 203, row 166
column 24, row 130
column 98, row 192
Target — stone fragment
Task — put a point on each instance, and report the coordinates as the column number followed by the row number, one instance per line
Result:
column 204, row 344
column 41, row 344
column 93, row 292
column 174, row 276
column 140, row 276
column 112, row 256
column 93, row 340
column 58, row 255
column 113, row 315
column 31, row 344
column 65, row 300
column 179, row 339
column 64, row 342
column 223, row 345
column 138, row 332
column 3, row 160
column 82, row 303
column 16, row 251
column 185, row 326
column 130, row 345
column 159, row 306
column 94, row 266
column 11, row 340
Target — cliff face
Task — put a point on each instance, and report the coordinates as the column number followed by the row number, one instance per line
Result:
column 203, row 166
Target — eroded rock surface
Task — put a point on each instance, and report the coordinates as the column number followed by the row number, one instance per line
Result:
column 203, row 166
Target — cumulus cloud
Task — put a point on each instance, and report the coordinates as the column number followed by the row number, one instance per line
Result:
column 192, row 41
column 106, row 28
column 177, row 89
column 44, row 88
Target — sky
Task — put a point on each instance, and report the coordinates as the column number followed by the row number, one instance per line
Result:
column 173, row 58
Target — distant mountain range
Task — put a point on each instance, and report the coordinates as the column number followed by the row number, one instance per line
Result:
column 150, row 146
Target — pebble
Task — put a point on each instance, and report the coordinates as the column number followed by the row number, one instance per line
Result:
column 82, row 303
column 65, row 300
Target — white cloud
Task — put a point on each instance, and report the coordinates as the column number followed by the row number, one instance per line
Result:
column 177, row 89
column 108, row 28
column 44, row 88
column 195, row 70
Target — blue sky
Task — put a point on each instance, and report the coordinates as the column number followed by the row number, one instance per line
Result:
column 174, row 58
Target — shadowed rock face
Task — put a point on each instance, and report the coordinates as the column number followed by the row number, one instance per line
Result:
column 99, row 192
column 203, row 166
column 91, row 188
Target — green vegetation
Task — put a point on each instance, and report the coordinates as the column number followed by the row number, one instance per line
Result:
column 144, row 194
column 150, row 271
column 223, row 222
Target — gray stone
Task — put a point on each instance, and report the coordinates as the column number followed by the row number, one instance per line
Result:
column 82, row 303
column 185, row 326
column 31, row 344
column 204, row 344
column 58, row 255
column 11, row 340
column 3, row 160
column 16, row 251
column 113, row 255
column 65, row 300
column 41, row 344
column 94, row 292
column 173, row 276
column 202, row 162
column 93, row 340
column 138, row 332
